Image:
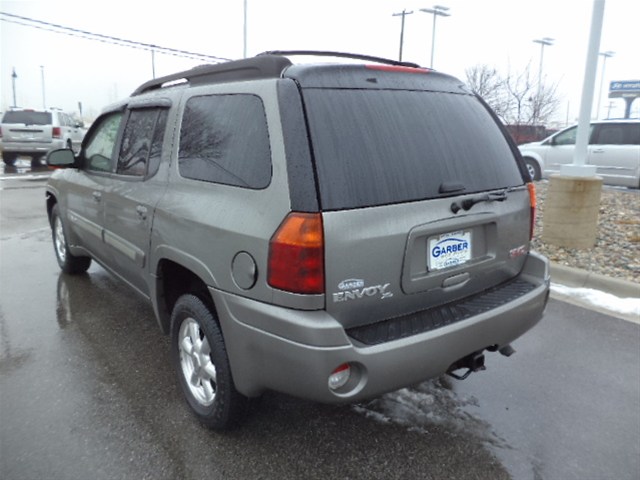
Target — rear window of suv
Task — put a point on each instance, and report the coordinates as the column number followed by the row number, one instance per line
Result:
column 378, row 147
column 224, row 139
column 27, row 117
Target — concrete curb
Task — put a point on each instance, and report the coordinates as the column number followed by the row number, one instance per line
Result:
column 577, row 278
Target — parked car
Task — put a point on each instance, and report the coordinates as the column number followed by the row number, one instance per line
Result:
column 35, row 132
column 614, row 147
column 327, row 231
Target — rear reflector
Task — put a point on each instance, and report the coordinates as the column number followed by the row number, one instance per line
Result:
column 340, row 376
column 296, row 254
column 533, row 204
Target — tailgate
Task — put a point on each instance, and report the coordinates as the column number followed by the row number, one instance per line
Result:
column 394, row 260
column 27, row 133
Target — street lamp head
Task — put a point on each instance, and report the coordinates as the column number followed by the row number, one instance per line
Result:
column 544, row 41
column 607, row 54
column 437, row 10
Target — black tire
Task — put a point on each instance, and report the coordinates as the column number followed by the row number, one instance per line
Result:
column 202, row 365
column 9, row 158
column 36, row 161
column 533, row 168
column 68, row 263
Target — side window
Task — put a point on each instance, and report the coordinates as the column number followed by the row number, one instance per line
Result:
column 618, row 134
column 100, row 148
column 610, row 135
column 567, row 137
column 224, row 139
column 142, row 140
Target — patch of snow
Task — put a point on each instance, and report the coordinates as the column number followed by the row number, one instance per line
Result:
column 624, row 306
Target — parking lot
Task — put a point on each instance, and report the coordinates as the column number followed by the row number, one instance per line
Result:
column 86, row 390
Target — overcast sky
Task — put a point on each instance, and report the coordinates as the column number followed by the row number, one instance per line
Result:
column 498, row 33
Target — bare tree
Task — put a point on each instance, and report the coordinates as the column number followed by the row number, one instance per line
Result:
column 517, row 99
column 487, row 83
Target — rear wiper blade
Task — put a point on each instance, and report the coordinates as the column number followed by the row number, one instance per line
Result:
column 470, row 202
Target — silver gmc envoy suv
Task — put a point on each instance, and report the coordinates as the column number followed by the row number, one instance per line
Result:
column 329, row 231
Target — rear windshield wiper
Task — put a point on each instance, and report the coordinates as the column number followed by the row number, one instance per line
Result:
column 470, row 202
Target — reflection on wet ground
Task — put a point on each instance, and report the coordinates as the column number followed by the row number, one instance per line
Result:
column 23, row 165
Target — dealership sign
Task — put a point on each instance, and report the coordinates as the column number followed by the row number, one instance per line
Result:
column 625, row 88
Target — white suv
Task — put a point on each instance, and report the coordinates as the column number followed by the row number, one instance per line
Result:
column 35, row 132
column 614, row 147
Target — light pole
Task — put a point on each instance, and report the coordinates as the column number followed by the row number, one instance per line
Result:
column 437, row 10
column 402, row 14
column 44, row 103
column 546, row 41
column 604, row 56
column 14, row 75
column 244, row 32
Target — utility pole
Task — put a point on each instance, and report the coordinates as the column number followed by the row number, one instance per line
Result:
column 13, row 84
column 153, row 62
column 402, row 14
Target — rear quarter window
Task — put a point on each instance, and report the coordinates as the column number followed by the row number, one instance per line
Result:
column 224, row 139
column 377, row 147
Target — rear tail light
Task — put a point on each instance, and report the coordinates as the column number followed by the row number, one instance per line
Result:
column 296, row 254
column 533, row 203
column 56, row 132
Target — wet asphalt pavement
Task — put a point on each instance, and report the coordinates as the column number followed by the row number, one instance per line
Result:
column 87, row 391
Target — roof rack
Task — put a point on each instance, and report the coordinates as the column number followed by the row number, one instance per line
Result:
column 264, row 66
column 355, row 56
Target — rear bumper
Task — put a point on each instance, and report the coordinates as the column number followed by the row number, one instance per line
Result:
column 31, row 148
column 294, row 352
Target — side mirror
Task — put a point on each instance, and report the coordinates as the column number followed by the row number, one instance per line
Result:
column 61, row 158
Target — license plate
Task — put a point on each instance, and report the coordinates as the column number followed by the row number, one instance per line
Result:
column 449, row 249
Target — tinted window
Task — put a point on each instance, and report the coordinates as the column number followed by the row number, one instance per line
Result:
column 28, row 118
column 138, row 142
column 618, row 134
column 100, row 148
column 376, row 147
column 224, row 139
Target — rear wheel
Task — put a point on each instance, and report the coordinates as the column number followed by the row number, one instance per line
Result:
column 532, row 168
column 200, row 358
column 9, row 158
column 68, row 263
column 36, row 161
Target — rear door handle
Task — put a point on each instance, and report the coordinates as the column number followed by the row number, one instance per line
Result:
column 142, row 211
column 598, row 150
column 97, row 196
